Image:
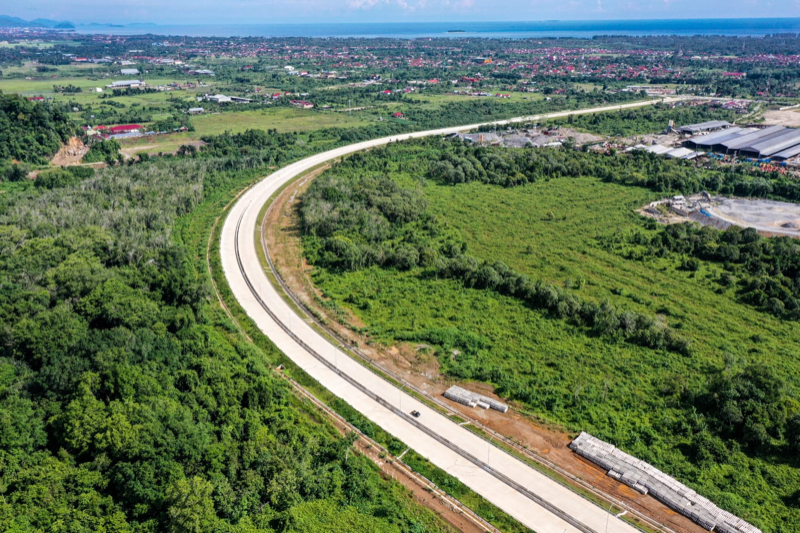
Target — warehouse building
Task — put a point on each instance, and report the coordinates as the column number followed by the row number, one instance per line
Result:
column 734, row 145
column 706, row 142
column 787, row 154
column 703, row 127
column 681, row 153
column 646, row 479
column 772, row 145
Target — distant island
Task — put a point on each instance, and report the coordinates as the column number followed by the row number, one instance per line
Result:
column 15, row 22
column 102, row 25
column 456, row 31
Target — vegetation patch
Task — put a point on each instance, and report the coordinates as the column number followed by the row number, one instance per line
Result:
column 720, row 414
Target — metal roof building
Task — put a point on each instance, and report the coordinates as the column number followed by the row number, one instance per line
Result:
column 658, row 149
column 707, row 141
column 746, row 140
column 681, row 153
column 704, row 126
column 772, row 145
column 787, row 154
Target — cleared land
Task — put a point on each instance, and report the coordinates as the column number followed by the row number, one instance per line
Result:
column 764, row 215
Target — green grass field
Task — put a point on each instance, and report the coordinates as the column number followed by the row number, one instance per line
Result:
column 284, row 119
column 559, row 231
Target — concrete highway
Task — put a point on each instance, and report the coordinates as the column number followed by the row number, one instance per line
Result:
column 529, row 496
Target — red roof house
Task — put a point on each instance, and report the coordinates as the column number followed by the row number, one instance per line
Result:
column 127, row 128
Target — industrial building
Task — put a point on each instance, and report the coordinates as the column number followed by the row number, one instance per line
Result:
column 672, row 153
column 473, row 399
column 772, row 145
column 735, row 145
column 704, row 127
column 127, row 84
column 646, row 479
column 787, row 154
column 706, row 142
column 775, row 142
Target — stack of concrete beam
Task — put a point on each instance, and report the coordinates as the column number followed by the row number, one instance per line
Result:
column 647, row 479
column 473, row 399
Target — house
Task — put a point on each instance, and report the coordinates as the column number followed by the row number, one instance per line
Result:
column 201, row 72
column 302, row 104
column 36, row 98
column 196, row 110
column 129, row 71
column 126, row 128
column 398, row 115
column 127, row 84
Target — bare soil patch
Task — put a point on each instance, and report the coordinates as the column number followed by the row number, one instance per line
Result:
column 789, row 117
column 70, row 153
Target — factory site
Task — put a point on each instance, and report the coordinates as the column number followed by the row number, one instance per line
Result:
column 768, row 217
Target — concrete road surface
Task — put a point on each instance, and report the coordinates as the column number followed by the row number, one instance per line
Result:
column 532, row 498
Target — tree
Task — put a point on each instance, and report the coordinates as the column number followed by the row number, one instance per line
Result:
column 190, row 506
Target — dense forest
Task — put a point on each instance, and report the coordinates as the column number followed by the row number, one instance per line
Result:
column 370, row 232
column 125, row 404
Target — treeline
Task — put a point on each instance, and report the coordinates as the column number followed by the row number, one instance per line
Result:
column 353, row 218
column 32, row 132
column 766, row 271
column 638, row 121
column 124, row 405
column 463, row 163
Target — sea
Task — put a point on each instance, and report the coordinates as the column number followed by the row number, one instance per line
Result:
column 753, row 27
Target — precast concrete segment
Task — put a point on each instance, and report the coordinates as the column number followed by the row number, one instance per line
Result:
column 499, row 477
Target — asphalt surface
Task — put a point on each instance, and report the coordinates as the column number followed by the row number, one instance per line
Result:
column 529, row 496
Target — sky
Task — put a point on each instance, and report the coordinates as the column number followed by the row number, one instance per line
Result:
column 316, row 11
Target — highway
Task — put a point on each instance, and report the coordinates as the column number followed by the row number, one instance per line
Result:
column 532, row 498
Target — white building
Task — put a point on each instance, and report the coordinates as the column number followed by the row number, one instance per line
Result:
column 127, row 84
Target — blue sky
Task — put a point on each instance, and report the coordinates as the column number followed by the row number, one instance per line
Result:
column 311, row 11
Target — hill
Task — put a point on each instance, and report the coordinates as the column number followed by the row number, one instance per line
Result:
column 31, row 132
column 16, row 22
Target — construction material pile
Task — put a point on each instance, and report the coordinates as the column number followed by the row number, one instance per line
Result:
column 645, row 478
column 473, row 399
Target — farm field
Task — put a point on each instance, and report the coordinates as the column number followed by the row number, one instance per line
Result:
column 568, row 232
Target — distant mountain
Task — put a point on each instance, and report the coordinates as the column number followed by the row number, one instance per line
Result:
column 16, row 22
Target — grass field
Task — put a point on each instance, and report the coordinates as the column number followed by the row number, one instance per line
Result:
column 284, row 119
column 560, row 231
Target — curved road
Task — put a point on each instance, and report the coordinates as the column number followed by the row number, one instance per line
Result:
column 529, row 496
